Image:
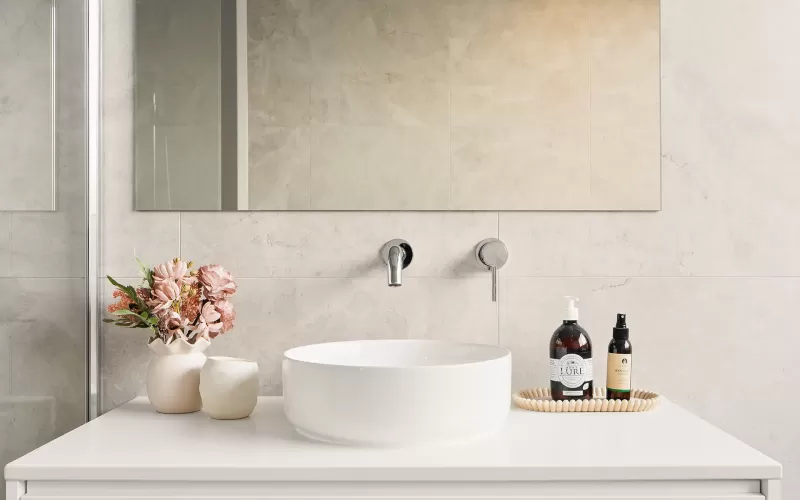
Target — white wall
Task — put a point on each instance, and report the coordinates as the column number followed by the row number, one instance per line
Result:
column 710, row 283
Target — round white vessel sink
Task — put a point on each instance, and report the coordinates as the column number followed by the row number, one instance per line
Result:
column 396, row 392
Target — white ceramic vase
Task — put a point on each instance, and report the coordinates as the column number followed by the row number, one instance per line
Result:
column 229, row 387
column 173, row 377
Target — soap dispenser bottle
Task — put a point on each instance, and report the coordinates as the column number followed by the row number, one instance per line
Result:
column 571, row 371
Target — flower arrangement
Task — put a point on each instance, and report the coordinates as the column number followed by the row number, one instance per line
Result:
column 177, row 302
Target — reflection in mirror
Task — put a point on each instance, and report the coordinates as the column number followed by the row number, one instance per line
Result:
column 398, row 105
column 27, row 102
column 179, row 97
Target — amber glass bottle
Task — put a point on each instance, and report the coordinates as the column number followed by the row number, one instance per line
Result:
column 620, row 362
column 571, row 371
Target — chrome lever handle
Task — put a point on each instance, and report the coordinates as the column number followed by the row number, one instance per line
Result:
column 494, row 283
column 493, row 254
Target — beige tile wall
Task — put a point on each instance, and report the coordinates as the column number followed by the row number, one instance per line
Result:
column 454, row 105
column 710, row 283
column 26, row 139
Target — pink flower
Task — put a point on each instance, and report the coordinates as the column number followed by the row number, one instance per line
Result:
column 227, row 314
column 174, row 270
column 208, row 325
column 190, row 304
column 217, row 281
column 174, row 324
column 164, row 294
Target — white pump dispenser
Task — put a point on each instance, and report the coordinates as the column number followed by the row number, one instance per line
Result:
column 571, row 311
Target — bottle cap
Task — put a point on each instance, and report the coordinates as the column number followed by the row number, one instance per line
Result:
column 621, row 329
column 571, row 311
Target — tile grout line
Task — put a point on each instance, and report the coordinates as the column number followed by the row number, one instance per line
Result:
column 11, row 243
column 180, row 223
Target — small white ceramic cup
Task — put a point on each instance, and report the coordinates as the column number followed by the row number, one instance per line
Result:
column 229, row 387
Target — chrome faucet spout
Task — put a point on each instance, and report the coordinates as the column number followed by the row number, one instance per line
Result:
column 395, row 266
column 397, row 255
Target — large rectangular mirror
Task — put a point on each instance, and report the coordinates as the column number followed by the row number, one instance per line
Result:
column 27, row 105
column 397, row 105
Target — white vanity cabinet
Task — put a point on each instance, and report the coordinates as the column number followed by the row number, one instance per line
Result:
column 133, row 453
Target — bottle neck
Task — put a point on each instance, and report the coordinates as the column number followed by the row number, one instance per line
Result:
column 570, row 321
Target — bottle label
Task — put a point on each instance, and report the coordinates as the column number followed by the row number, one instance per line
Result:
column 571, row 370
column 618, row 376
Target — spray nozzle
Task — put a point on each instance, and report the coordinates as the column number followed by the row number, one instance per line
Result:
column 621, row 329
column 571, row 311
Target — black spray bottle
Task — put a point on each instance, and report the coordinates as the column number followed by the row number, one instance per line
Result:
column 620, row 361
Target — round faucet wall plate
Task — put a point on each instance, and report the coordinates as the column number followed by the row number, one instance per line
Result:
column 408, row 252
column 491, row 252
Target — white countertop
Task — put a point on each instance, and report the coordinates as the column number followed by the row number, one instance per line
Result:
column 134, row 442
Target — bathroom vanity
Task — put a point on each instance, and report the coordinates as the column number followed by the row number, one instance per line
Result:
column 135, row 453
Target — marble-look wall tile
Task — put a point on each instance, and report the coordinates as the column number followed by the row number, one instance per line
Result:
column 625, row 97
column 53, row 244
column 540, row 168
column 5, row 361
column 26, row 103
column 699, row 341
column 177, row 104
column 48, row 245
column 404, row 39
column 505, row 85
column 177, row 62
column 279, row 177
column 42, row 327
column 520, row 105
column 46, row 328
column 186, row 176
column 335, row 244
column 522, row 44
column 380, row 102
column 123, row 353
column 153, row 237
column 5, row 244
column 274, row 99
column 722, row 213
column 26, row 423
column 278, row 46
column 379, row 168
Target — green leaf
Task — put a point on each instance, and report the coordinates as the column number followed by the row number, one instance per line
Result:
column 146, row 272
column 124, row 312
column 128, row 290
column 127, row 318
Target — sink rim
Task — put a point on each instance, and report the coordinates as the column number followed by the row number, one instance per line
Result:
column 497, row 353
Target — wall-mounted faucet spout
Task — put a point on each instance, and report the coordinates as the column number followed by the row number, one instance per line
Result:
column 397, row 255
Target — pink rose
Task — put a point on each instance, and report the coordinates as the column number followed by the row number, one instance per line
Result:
column 174, row 324
column 173, row 270
column 217, row 282
column 227, row 314
column 163, row 295
column 208, row 324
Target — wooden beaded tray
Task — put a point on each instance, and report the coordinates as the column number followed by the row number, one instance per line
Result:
column 539, row 400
